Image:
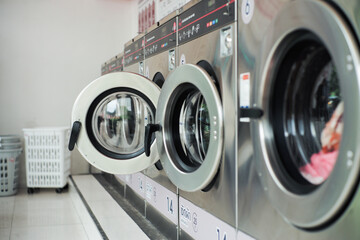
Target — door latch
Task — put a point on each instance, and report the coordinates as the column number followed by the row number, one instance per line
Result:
column 149, row 130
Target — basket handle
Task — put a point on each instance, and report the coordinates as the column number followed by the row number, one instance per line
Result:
column 74, row 134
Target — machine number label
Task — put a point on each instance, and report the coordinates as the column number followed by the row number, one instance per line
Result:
column 170, row 205
column 220, row 236
column 247, row 10
column 200, row 224
column 137, row 183
column 162, row 199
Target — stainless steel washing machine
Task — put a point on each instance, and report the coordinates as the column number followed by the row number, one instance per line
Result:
column 115, row 64
column 302, row 181
column 197, row 127
column 119, row 63
column 160, row 61
column 134, row 55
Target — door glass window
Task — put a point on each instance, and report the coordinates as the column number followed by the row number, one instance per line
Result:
column 307, row 110
column 190, row 127
column 194, row 128
column 119, row 120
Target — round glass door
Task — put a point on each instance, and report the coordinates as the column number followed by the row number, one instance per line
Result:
column 194, row 128
column 116, row 123
column 307, row 111
column 305, row 144
column 113, row 111
column 190, row 113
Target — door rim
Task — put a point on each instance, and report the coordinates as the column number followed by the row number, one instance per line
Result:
column 80, row 111
column 201, row 177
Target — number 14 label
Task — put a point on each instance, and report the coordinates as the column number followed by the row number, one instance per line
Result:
column 170, row 207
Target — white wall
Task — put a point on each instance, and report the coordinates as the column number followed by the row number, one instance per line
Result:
column 49, row 51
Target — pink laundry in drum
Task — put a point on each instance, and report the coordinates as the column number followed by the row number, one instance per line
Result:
column 320, row 167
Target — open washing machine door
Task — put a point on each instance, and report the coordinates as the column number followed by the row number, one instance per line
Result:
column 189, row 128
column 109, row 119
column 307, row 142
column 110, row 115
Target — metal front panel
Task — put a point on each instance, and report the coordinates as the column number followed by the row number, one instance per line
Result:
column 136, row 68
column 158, row 63
column 220, row 200
column 155, row 64
column 351, row 10
column 256, row 214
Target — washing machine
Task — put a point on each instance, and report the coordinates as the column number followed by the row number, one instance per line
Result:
column 199, row 150
column 302, row 179
column 160, row 61
column 119, row 63
column 134, row 55
column 115, row 64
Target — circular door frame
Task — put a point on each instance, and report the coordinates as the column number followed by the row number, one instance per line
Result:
column 200, row 178
column 80, row 111
column 320, row 207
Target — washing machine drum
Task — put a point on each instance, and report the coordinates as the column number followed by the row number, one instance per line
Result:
column 307, row 141
column 110, row 115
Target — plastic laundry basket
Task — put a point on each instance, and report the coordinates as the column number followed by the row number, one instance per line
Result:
column 10, row 149
column 47, row 157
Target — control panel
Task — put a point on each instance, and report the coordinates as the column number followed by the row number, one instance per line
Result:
column 134, row 52
column 204, row 17
column 161, row 38
column 115, row 64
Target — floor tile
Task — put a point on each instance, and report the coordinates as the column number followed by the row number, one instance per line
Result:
column 92, row 232
column 50, row 232
column 81, row 210
column 6, row 211
column 116, row 227
column 91, row 189
column 112, row 218
column 108, row 209
column 44, row 217
column 5, row 233
column 5, row 220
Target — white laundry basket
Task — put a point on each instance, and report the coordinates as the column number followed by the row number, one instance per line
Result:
column 10, row 149
column 47, row 158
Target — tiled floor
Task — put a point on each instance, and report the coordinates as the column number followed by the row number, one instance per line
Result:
column 48, row 215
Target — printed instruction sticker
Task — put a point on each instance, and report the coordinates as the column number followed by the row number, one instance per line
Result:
column 247, row 10
column 147, row 72
column 182, row 59
column 244, row 90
